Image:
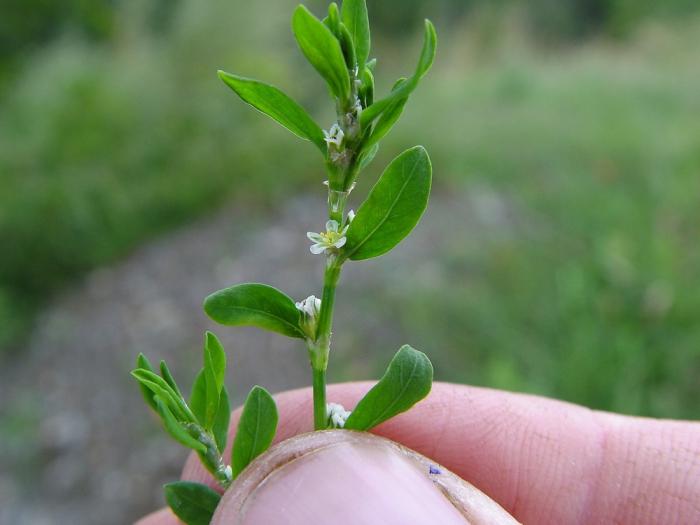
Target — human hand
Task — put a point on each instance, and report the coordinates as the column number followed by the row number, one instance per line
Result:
column 545, row 461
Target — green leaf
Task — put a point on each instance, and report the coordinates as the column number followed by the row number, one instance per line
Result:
column 161, row 388
column 165, row 372
column 254, row 304
column 424, row 62
column 393, row 207
column 355, row 18
column 256, row 428
column 143, row 363
column 192, row 502
column 322, row 49
column 386, row 121
column 367, row 87
column 367, row 156
column 332, row 21
column 406, row 381
column 198, row 397
column 214, row 369
column 175, row 428
column 277, row 105
column 221, row 420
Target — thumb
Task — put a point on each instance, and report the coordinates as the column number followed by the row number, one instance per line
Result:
column 345, row 477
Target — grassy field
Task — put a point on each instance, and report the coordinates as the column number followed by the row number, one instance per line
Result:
column 579, row 278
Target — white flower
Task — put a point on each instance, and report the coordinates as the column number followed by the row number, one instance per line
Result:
column 329, row 240
column 334, row 135
column 337, row 415
column 310, row 306
column 310, row 309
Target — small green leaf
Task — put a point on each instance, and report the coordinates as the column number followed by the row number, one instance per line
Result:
column 161, row 388
column 333, row 19
column 192, row 502
column 393, row 207
column 256, row 428
column 354, row 13
column 386, row 121
column 322, row 49
column 407, row 380
column 165, row 372
column 143, row 363
column 347, row 46
column 367, row 87
column 277, row 105
column 254, row 304
column 367, row 156
column 198, row 397
column 221, row 420
column 175, row 428
column 214, row 369
column 424, row 62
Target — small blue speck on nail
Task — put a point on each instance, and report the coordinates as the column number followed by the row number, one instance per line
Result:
column 434, row 470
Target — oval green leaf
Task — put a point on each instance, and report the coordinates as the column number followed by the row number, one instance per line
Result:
column 355, row 18
column 425, row 61
column 192, row 502
column 407, row 380
column 322, row 49
column 254, row 304
column 256, row 429
column 393, row 207
column 275, row 104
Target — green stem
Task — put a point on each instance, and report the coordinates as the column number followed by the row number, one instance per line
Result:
column 320, row 418
column 320, row 350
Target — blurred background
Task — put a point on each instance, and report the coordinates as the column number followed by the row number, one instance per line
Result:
column 559, row 254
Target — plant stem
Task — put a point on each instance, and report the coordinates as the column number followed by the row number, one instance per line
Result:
column 320, row 350
column 319, row 383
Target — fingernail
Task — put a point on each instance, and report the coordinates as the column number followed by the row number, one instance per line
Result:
column 348, row 483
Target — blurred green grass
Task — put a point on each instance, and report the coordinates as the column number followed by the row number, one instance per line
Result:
column 588, row 290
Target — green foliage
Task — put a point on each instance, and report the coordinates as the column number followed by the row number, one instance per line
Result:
column 221, row 421
column 253, row 304
column 393, row 207
column 356, row 20
column 322, row 49
column 256, row 429
column 193, row 503
column 403, row 90
column 271, row 101
column 407, row 380
column 174, row 426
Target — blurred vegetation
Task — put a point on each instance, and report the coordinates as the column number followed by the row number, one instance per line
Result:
column 577, row 119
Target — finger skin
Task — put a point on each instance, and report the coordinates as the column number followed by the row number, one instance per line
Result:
column 545, row 461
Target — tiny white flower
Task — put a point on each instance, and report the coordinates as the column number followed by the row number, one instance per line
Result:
column 334, row 135
column 337, row 415
column 310, row 306
column 328, row 240
column 310, row 309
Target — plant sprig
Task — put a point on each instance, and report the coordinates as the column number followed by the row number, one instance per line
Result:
column 338, row 48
